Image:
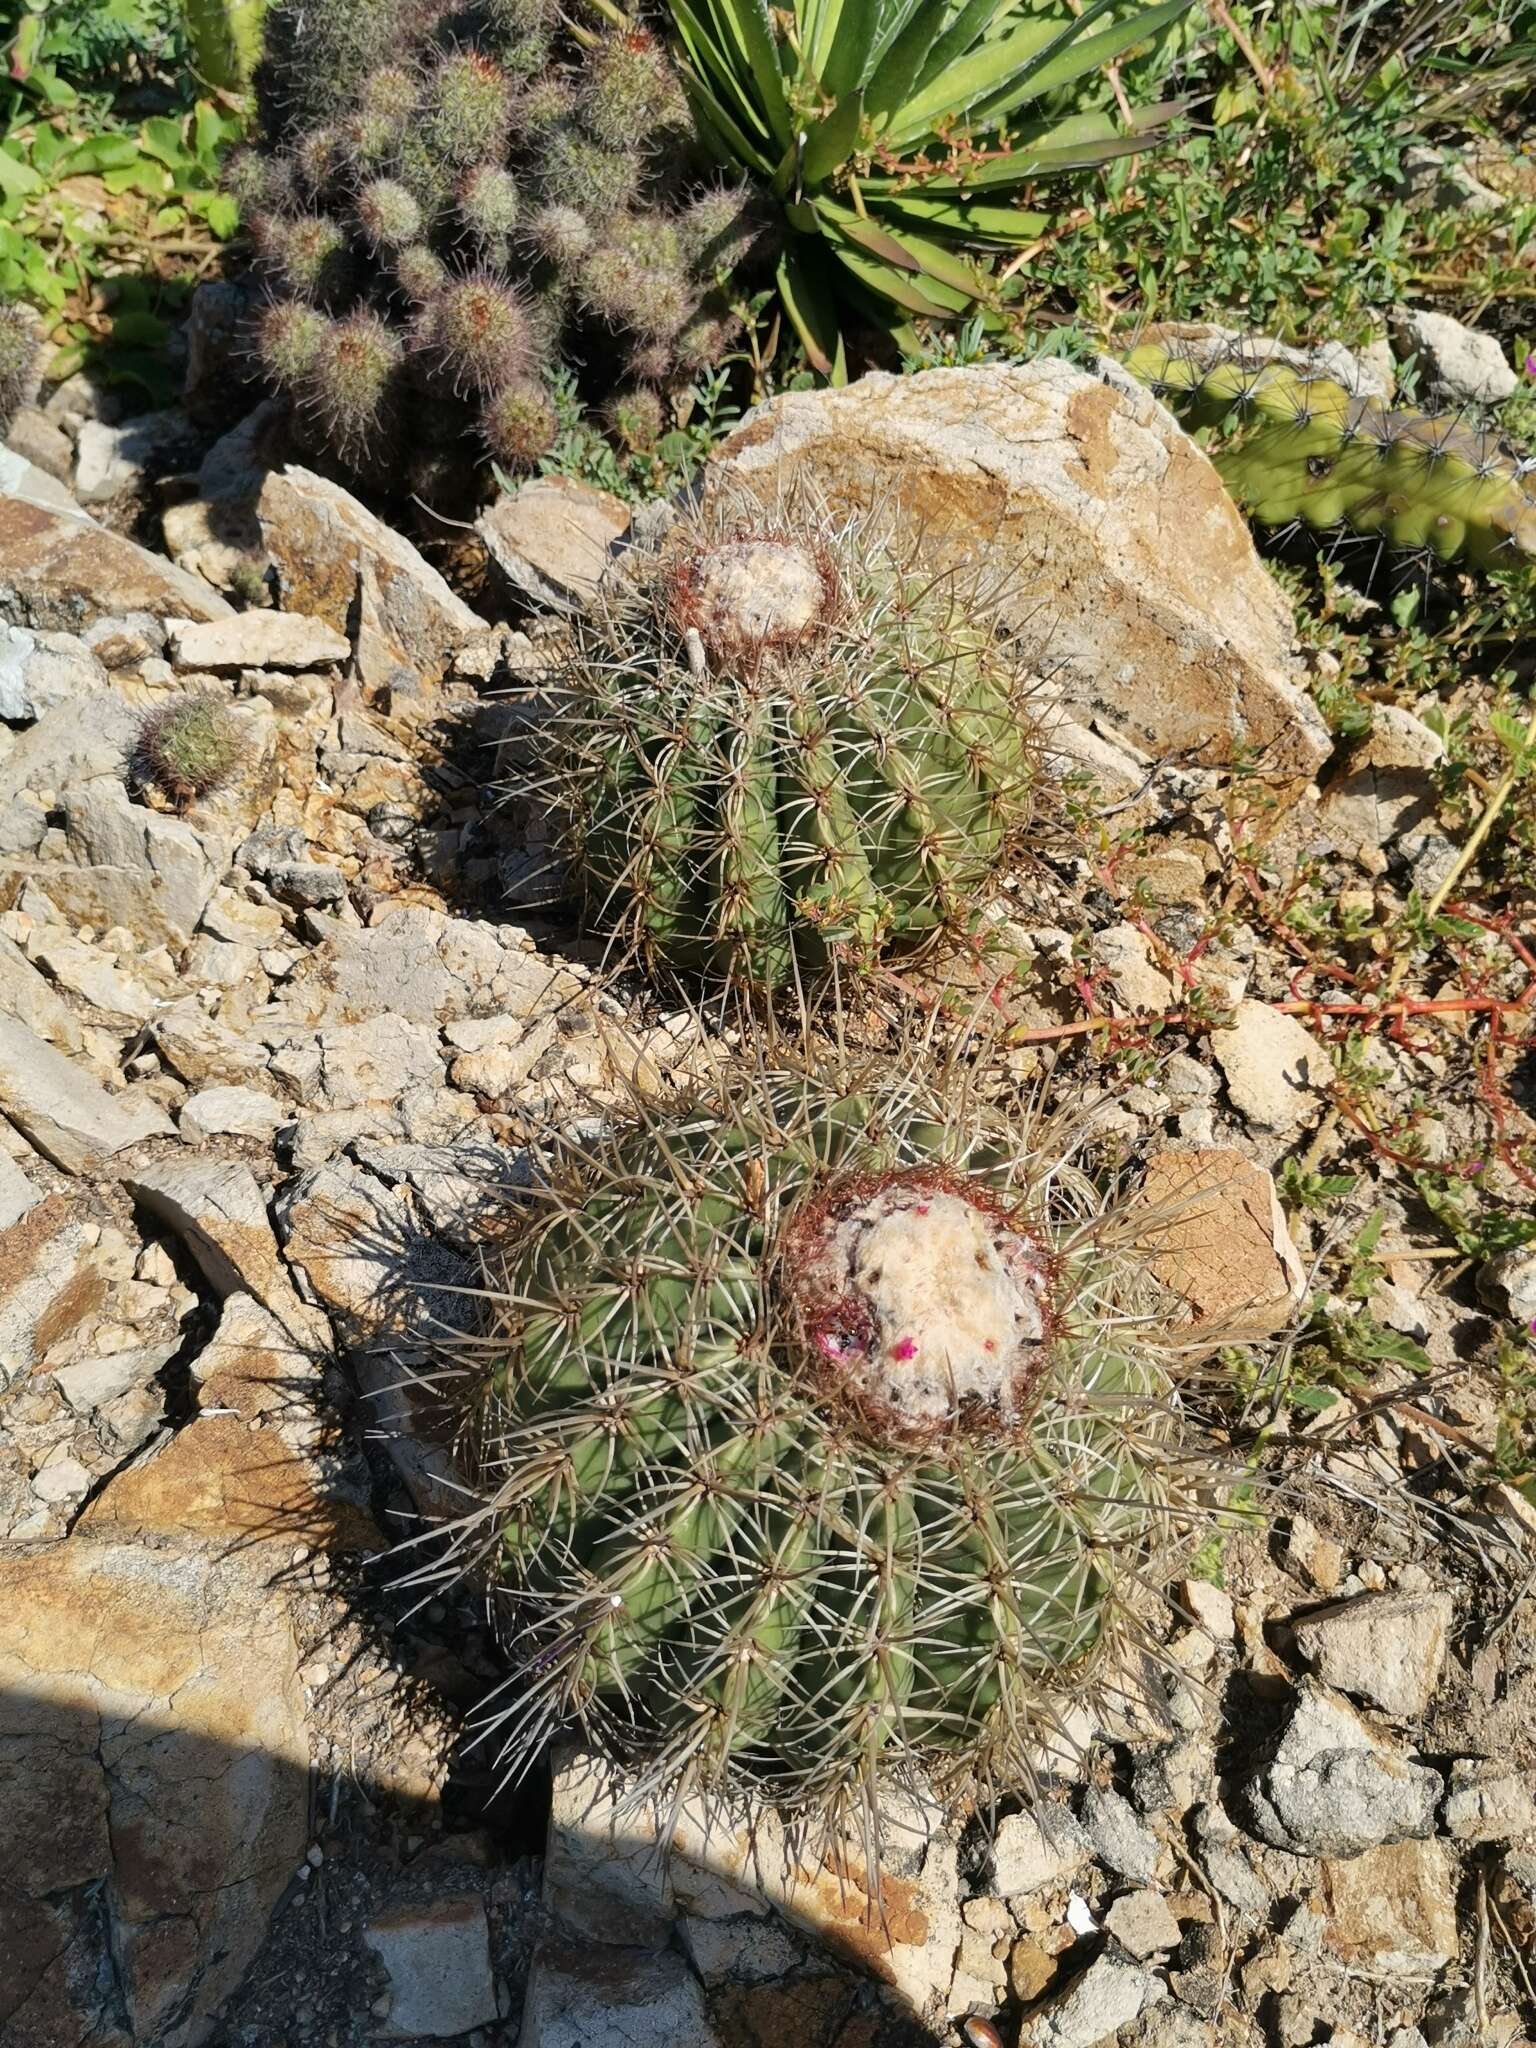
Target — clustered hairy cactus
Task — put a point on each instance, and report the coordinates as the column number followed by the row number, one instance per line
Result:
column 21, row 352
column 825, row 1429
column 1301, row 447
column 778, row 753
column 190, row 747
column 448, row 203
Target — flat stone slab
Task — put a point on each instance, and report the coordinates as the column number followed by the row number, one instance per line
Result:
column 59, row 570
column 256, row 639
column 61, row 1111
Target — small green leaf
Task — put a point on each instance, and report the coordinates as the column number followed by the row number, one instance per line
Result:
column 17, row 179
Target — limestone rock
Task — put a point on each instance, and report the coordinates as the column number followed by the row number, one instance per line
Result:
column 437, row 1956
column 17, row 1194
column 1142, row 1924
column 1273, row 1065
column 1488, row 1802
column 114, row 460
column 35, row 438
column 553, row 538
column 1131, row 577
column 1465, row 364
column 230, row 1112
column 154, row 1773
column 59, row 569
column 581, row 1996
column 1387, row 1649
column 425, row 968
column 39, row 670
column 1392, row 1911
column 131, row 866
column 1335, row 1789
column 1216, row 1237
column 322, row 541
column 1508, row 1283
column 217, row 1207
column 27, row 997
column 257, row 639
column 1386, row 787
column 1119, row 1839
column 61, row 1111
column 1112, row 1992
column 49, row 1283
column 350, row 1065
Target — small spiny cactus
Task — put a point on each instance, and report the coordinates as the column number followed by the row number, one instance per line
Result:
column 828, row 1426
column 189, row 748
column 502, row 192
column 777, row 754
column 1295, row 446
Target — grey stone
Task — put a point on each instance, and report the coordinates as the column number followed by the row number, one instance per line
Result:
column 424, row 967
column 61, row 1111
column 749, row 1948
column 1123, row 567
column 351, row 1065
column 1435, row 181
column 586, row 1996
column 463, row 1189
column 257, row 639
column 114, row 995
column 306, row 885
column 17, row 1194
column 29, row 998
column 1488, row 1802
column 1119, row 1839
column 63, row 751
column 1230, row 1871
column 1142, row 1924
column 230, row 1112
column 95, row 1382
column 39, row 670
column 1273, row 1065
column 220, row 373
column 437, row 1956
column 1388, row 1649
column 115, row 461
column 1463, row 363
column 48, row 1284
column 1036, row 1849
column 1111, row 1993
column 35, row 438
column 131, row 866
column 1334, row 1789
column 1386, row 787
column 552, row 539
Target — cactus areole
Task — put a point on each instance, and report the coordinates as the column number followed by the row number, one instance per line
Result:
column 921, row 1303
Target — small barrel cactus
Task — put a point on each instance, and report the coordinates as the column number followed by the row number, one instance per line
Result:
column 1294, row 446
column 189, row 748
column 824, row 1431
column 776, row 753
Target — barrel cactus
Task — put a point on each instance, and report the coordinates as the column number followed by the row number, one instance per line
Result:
column 777, row 752
column 1294, row 446
column 824, row 1431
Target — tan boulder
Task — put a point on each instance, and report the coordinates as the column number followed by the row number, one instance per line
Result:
column 1131, row 578
column 154, row 1776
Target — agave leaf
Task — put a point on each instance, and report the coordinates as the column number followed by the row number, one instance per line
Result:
column 983, row 70
column 897, row 70
column 842, row 220
column 970, row 26
column 812, row 312
column 1038, row 151
column 926, row 296
column 712, row 71
column 745, row 28
column 907, row 251
column 831, row 141
column 728, row 142
column 986, row 223
column 1086, row 54
column 846, row 45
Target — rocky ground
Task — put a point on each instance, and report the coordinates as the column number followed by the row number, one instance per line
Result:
column 269, row 1068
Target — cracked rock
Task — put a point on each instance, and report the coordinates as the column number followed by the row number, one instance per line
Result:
column 1033, row 1850
column 1119, row 1839
column 1487, row 1802
column 61, row 1111
column 437, row 1956
column 1335, row 1789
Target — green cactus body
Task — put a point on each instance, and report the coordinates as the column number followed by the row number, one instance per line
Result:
column 817, row 1437
column 777, row 756
column 1304, row 448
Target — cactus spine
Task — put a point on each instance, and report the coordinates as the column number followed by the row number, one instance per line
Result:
column 776, row 754
column 824, row 1431
column 1302, row 447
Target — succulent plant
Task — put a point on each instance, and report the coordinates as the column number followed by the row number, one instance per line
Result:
column 474, row 197
column 895, row 143
column 825, row 1428
column 190, row 747
column 775, row 752
column 21, row 353
column 1298, row 447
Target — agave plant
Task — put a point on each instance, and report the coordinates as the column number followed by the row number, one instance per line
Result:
column 898, row 135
